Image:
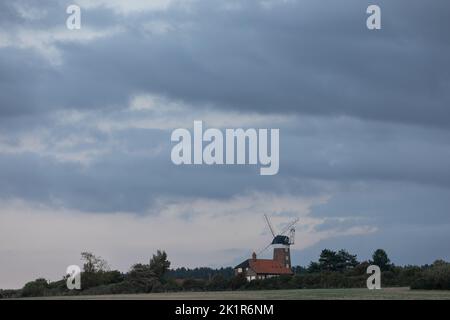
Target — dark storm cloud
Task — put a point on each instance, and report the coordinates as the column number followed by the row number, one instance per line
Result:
column 304, row 57
column 123, row 179
column 346, row 149
column 282, row 60
column 320, row 157
column 23, row 80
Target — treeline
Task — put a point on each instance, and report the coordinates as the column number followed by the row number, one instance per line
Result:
column 204, row 273
column 98, row 279
column 334, row 269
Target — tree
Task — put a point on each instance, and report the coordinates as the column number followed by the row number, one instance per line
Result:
column 299, row 269
column 345, row 260
column 93, row 263
column 142, row 278
column 96, row 271
column 35, row 288
column 313, row 267
column 380, row 259
column 159, row 263
column 328, row 260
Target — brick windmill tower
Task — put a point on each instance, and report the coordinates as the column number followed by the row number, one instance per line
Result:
column 281, row 243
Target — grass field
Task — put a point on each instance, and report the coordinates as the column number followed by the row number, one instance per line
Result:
column 302, row 294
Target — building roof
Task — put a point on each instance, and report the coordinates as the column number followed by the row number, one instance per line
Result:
column 265, row 266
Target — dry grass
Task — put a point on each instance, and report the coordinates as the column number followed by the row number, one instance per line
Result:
column 302, row 294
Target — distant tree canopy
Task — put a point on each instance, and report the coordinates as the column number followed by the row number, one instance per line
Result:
column 313, row 267
column 436, row 277
column 96, row 272
column 200, row 273
column 380, row 258
column 35, row 288
column 93, row 263
column 159, row 263
column 330, row 260
column 142, row 277
column 149, row 277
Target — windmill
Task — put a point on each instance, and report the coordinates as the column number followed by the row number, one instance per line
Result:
column 281, row 242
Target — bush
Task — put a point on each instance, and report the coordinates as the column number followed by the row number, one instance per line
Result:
column 194, row 285
column 435, row 278
column 142, row 278
column 238, row 281
column 217, row 283
column 100, row 278
column 10, row 294
column 35, row 288
column 171, row 285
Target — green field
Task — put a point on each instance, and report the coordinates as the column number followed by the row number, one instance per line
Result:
column 299, row 294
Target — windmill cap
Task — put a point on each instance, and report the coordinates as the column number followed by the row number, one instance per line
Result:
column 281, row 240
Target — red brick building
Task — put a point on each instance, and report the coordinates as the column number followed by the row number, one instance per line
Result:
column 264, row 268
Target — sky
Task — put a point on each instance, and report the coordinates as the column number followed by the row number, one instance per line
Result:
column 86, row 118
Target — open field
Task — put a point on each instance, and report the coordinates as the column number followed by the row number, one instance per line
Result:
column 300, row 294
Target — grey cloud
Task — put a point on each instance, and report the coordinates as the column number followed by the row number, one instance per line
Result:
column 346, row 149
column 278, row 59
column 318, row 156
